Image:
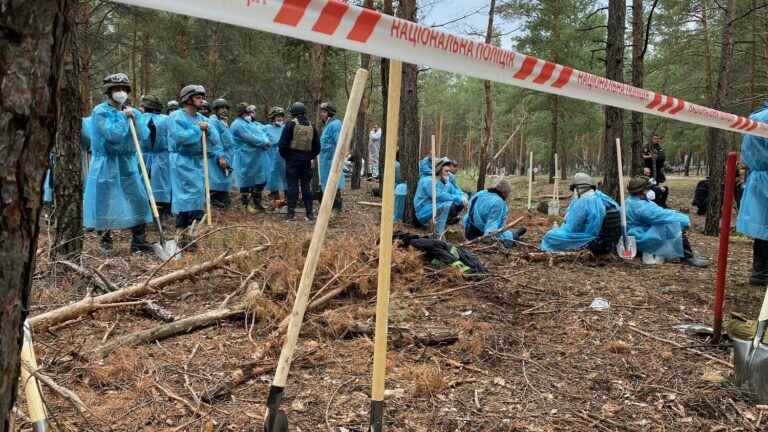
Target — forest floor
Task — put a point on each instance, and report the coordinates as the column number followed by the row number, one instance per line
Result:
column 520, row 350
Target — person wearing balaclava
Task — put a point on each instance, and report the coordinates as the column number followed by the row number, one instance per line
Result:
column 115, row 197
column 155, row 148
column 219, row 166
column 329, row 139
column 185, row 131
column 251, row 145
column 276, row 182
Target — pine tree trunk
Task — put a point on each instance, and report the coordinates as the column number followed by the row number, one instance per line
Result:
column 408, row 135
column 86, row 54
column 638, row 80
column 489, row 109
column 361, row 128
column 555, row 138
column 30, row 34
column 614, row 117
column 67, row 170
column 146, row 63
column 317, row 56
column 717, row 144
column 214, row 59
column 708, row 80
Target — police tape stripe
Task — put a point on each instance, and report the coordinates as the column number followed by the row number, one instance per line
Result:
column 337, row 23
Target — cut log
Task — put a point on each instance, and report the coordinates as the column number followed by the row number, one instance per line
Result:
column 402, row 336
column 240, row 375
column 165, row 331
column 137, row 290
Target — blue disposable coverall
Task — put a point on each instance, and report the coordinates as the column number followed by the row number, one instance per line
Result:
column 115, row 196
column 219, row 180
column 658, row 231
column 328, row 142
column 487, row 213
column 753, row 213
column 186, row 146
column 276, row 181
column 583, row 221
column 251, row 145
column 160, row 170
column 446, row 196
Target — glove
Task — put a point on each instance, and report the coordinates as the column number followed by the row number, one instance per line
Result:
column 509, row 244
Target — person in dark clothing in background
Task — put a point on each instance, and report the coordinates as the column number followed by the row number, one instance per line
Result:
column 655, row 158
column 299, row 145
column 656, row 193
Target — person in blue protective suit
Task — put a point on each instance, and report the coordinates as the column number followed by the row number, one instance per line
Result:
column 205, row 109
column 328, row 142
column 449, row 205
column 185, row 132
column 658, row 231
column 155, row 141
column 425, row 167
column 453, row 167
column 487, row 215
column 219, row 165
column 276, row 182
column 115, row 197
column 251, row 147
column 299, row 145
column 583, row 219
column 171, row 106
column 753, row 210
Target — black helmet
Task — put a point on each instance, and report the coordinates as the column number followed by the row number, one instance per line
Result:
column 275, row 111
column 172, row 106
column 327, row 106
column 298, row 108
column 219, row 103
column 151, row 102
column 187, row 93
column 242, row 108
column 116, row 80
column 638, row 184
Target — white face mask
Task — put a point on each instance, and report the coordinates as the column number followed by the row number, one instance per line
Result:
column 120, row 96
column 279, row 123
column 247, row 118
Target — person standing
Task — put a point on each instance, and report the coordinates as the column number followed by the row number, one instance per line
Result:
column 753, row 210
column 328, row 142
column 219, row 165
column 276, row 181
column 374, row 147
column 115, row 197
column 171, row 106
column 299, row 145
column 155, row 148
column 655, row 158
column 185, row 130
column 251, row 145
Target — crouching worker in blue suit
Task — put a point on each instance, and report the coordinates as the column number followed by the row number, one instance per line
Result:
column 488, row 214
column 449, row 204
column 115, row 197
column 584, row 219
column 659, row 231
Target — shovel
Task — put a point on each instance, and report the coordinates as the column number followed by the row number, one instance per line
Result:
column 275, row 419
column 750, row 358
column 435, row 234
column 627, row 247
column 167, row 248
column 554, row 206
column 208, row 218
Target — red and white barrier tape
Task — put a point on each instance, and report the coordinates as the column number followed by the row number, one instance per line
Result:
column 333, row 22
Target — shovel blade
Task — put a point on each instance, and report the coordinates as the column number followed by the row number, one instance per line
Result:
column 627, row 248
column 165, row 253
column 276, row 421
column 751, row 368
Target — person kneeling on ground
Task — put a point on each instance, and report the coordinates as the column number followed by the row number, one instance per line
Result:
column 488, row 213
column 449, row 204
column 299, row 145
column 657, row 193
column 584, row 219
column 660, row 232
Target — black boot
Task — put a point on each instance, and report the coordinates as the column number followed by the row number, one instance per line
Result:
column 139, row 239
column 291, row 215
column 257, row 201
column 689, row 258
column 759, row 275
column 105, row 244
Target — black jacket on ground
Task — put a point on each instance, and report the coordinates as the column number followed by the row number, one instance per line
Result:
column 286, row 138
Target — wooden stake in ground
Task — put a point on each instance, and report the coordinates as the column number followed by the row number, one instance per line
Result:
column 276, row 419
column 37, row 412
column 530, row 183
column 208, row 218
column 385, row 251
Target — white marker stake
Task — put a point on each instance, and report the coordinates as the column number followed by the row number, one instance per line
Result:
column 530, row 182
column 434, row 191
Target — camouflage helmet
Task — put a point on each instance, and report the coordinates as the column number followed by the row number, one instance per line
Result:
column 219, row 103
column 151, row 102
column 275, row 111
column 116, row 80
column 638, row 184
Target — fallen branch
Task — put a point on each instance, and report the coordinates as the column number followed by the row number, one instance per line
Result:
column 330, row 295
column 65, row 393
column 673, row 343
column 150, row 308
column 165, row 331
column 240, row 375
column 137, row 290
column 402, row 336
column 369, row 204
